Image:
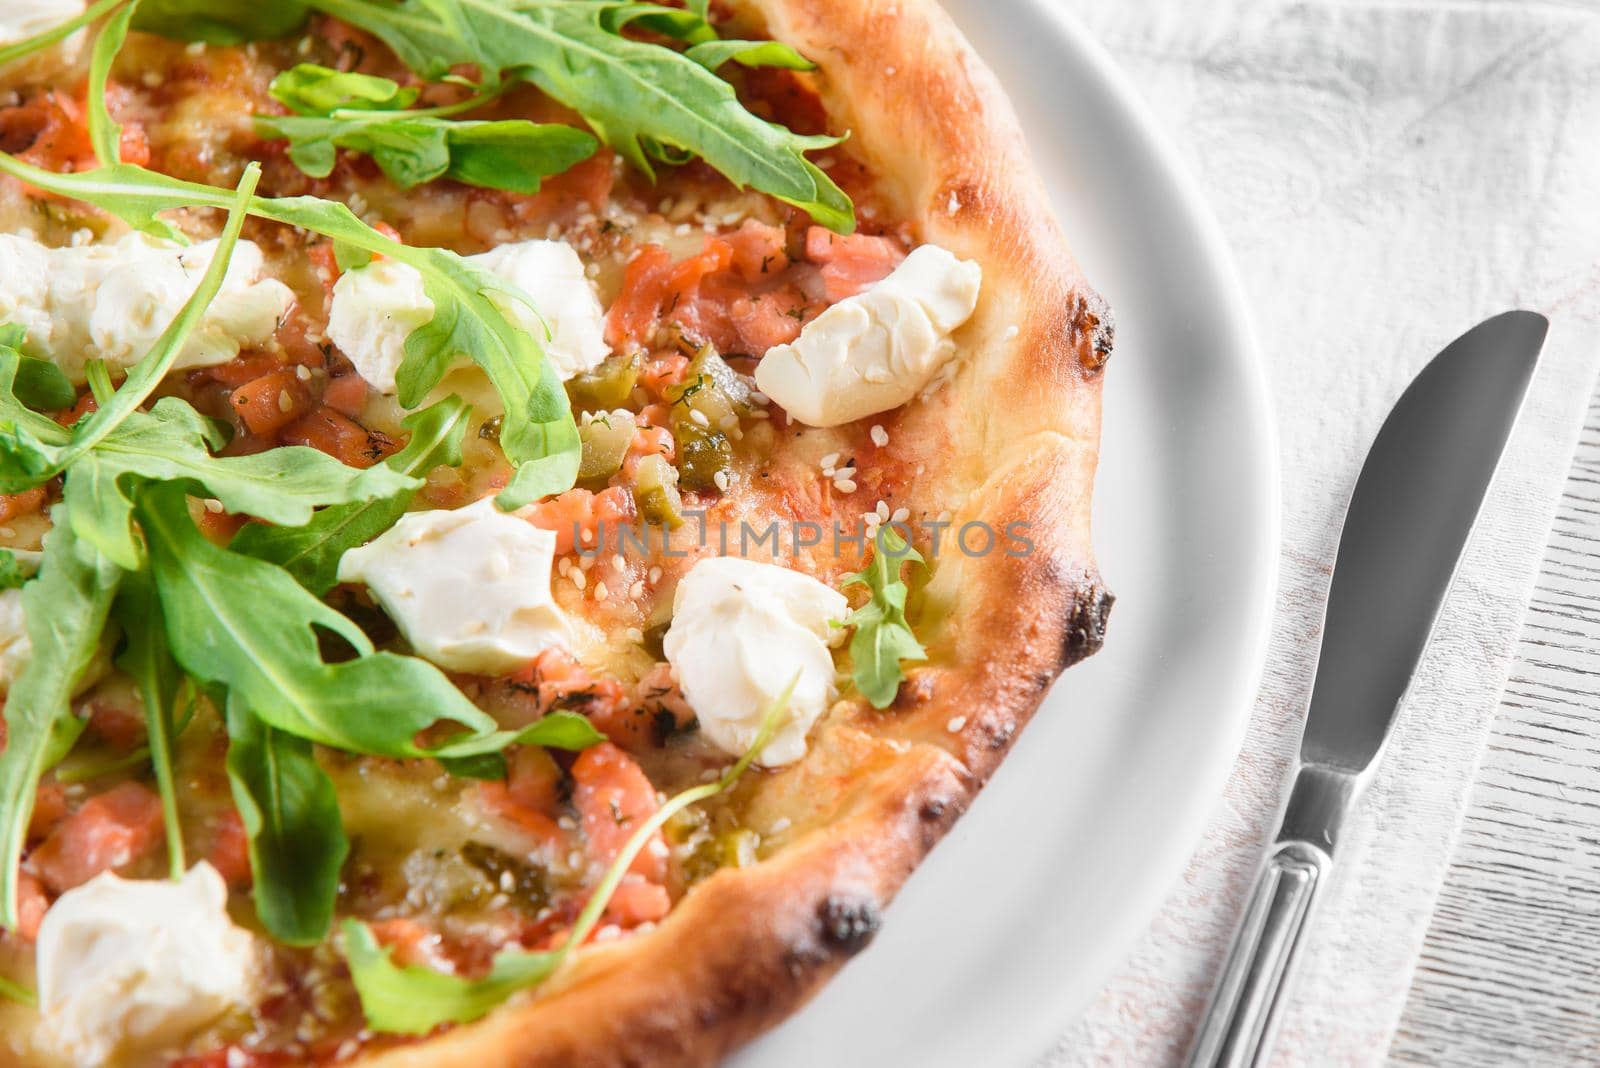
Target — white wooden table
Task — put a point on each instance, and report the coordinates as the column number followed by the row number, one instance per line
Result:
column 1374, row 149
column 1511, row 971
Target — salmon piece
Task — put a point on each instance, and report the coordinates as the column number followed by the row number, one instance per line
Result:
column 122, row 727
column 614, row 798
column 579, row 515
column 49, row 131
column 110, row 831
column 759, row 251
column 242, row 369
column 16, row 505
column 31, row 906
column 534, row 780
column 496, row 798
column 346, row 394
column 655, row 288
column 339, row 436
column 636, row 902
column 413, row 943
column 230, row 850
column 851, row 263
column 272, row 401
column 49, row 809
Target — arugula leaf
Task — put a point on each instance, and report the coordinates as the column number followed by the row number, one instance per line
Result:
column 883, row 638
column 291, row 815
column 173, row 443
column 66, row 609
column 413, row 1000
column 11, row 573
column 646, row 100
column 234, row 621
column 336, row 109
column 38, row 384
column 713, row 54
column 561, row 730
column 148, row 661
column 311, row 551
column 312, row 89
column 40, row 41
column 538, row 433
column 223, row 22
column 104, row 133
column 512, row 154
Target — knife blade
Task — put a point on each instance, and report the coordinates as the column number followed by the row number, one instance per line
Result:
column 1407, row 526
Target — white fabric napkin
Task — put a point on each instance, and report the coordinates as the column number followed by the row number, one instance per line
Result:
column 1388, row 174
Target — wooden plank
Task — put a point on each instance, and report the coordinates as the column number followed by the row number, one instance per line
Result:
column 1510, row 973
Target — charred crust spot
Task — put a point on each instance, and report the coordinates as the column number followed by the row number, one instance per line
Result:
column 1000, row 735
column 848, row 924
column 933, row 810
column 1094, row 330
column 1086, row 623
column 915, row 691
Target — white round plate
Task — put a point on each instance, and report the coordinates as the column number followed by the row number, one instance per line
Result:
column 1016, row 920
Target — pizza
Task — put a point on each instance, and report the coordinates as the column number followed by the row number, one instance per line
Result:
column 521, row 521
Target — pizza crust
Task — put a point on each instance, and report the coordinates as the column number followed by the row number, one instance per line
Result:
column 1014, row 437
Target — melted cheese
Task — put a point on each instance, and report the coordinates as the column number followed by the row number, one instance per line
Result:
column 469, row 588
column 741, row 632
column 131, row 964
column 111, row 302
column 878, row 349
column 376, row 307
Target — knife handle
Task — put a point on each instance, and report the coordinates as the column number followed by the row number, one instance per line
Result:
column 1237, row 1028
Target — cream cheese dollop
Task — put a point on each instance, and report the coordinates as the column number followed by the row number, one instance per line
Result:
column 130, row 964
column 376, row 307
column 468, row 587
column 21, row 19
column 878, row 349
column 741, row 631
column 111, row 302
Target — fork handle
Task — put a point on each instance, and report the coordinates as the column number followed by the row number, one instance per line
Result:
column 1237, row 1028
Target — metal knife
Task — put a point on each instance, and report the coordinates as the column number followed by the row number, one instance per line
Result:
column 1413, row 509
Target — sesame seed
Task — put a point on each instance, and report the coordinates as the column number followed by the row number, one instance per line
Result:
column 699, row 417
column 588, row 537
column 728, row 422
column 880, row 436
column 844, row 485
column 779, row 825
column 635, row 592
column 758, row 397
column 618, row 562
column 564, row 565
column 721, row 479
column 883, row 510
column 955, row 724
column 1012, row 331
column 285, row 402
column 213, row 506
column 579, row 579
column 586, row 562
column 900, row 515
column 829, row 460
column 600, row 591
column 302, row 372
column 655, row 574
column 845, row 472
